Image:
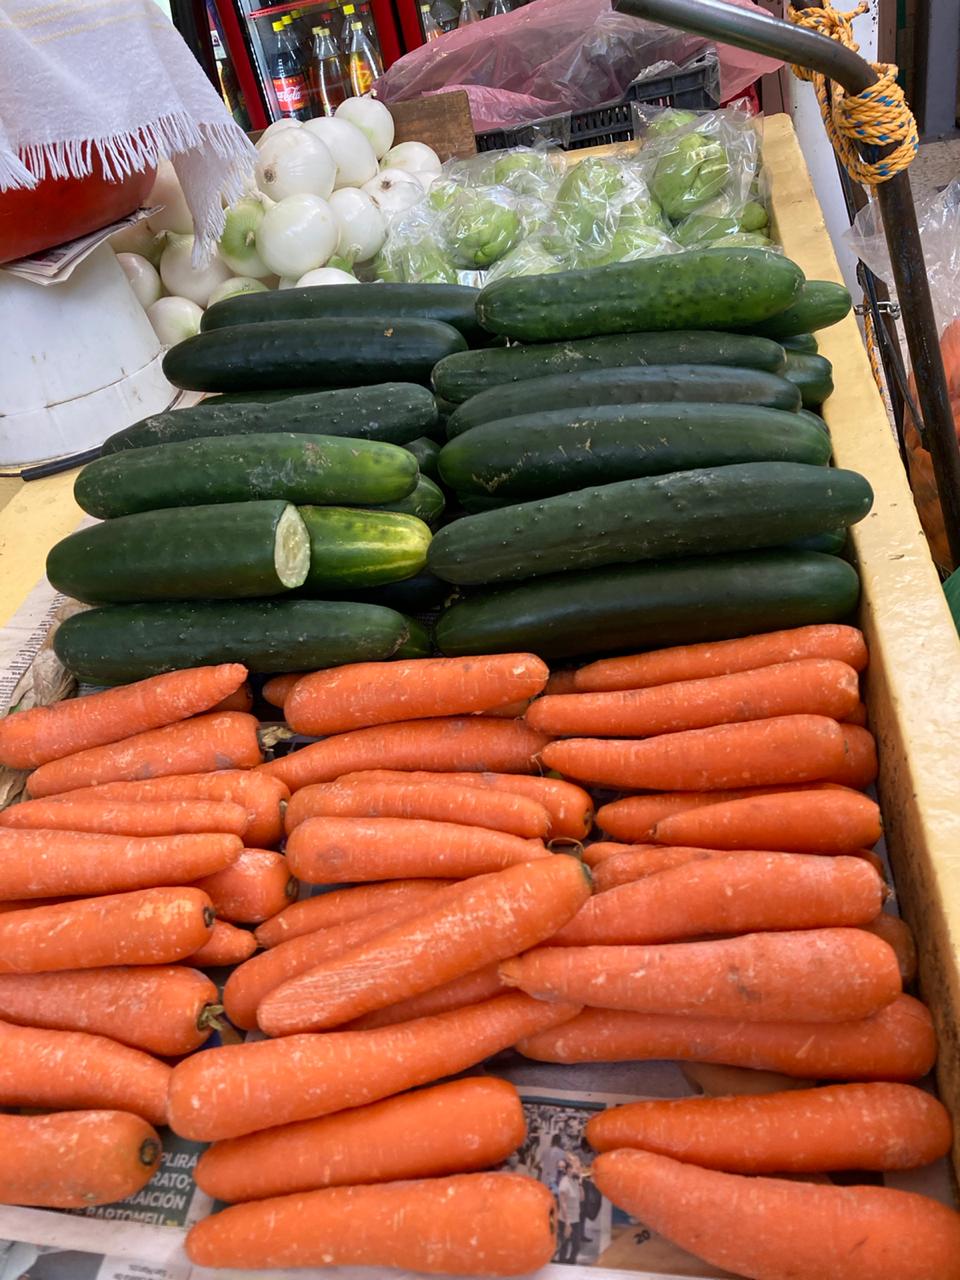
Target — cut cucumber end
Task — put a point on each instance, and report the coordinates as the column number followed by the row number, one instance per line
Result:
column 291, row 549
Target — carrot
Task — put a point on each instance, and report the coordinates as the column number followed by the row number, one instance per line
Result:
column 897, row 1043
column 477, row 743
column 36, row 864
column 61, row 1070
column 75, row 1159
column 509, row 710
column 486, row 919
column 220, row 740
column 123, row 818
column 275, row 689
column 797, row 822
column 240, row 700
column 812, row 686
column 561, row 682
column 897, row 933
column 756, row 753
column 640, row 860
column 698, row 661
column 860, row 766
column 345, row 850
column 375, row 693
column 34, row 737
column 226, row 945
column 598, row 852
column 438, row 802
column 569, row 806
column 470, row 989
column 633, row 818
column 817, row 975
column 857, row 716
column 254, row 888
column 740, row 893
column 166, row 1010
column 770, row 1228
column 472, row 1224
column 238, row 1089
column 449, row 1128
column 152, row 926
column 341, row 906
column 846, row 1126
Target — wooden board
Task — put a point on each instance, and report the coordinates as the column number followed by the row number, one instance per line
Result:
column 441, row 120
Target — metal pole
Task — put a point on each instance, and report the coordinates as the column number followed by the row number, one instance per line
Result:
column 763, row 34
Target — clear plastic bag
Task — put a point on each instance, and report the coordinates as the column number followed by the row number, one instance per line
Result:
column 415, row 251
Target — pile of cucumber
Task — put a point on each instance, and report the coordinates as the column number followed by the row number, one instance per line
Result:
column 626, row 456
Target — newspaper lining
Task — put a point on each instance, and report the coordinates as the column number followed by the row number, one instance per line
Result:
column 56, row 265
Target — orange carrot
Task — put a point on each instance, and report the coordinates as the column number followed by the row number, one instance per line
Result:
column 226, row 945
column 561, row 682
column 740, row 893
column 240, row 700
column 697, row 661
column 166, row 1010
column 633, row 818
column 486, row 919
column 34, row 737
column 569, row 806
column 151, row 926
column 860, row 766
column 275, row 689
column 375, row 693
column 857, row 716
column 124, row 818
column 24, row 904
column 254, row 888
column 509, row 710
column 897, row 934
column 470, row 989
column 598, row 852
column 640, row 860
column 36, row 864
column 757, row 753
column 61, row 1070
column 238, row 1089
column 342, row 906
column 817, row 975
column 812, row 686
column 845, row 1126
column 450, row 1128
column 473, row 1224
column 437, row 802
column 75, row 1159
column 770, row 1228
column 220, row 740
column 346, row 850
column 477, row 743
column 898, row 1043
column 796, row 822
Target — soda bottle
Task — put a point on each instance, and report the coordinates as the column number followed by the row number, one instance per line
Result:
column 431, row 28
column 363, row 61
column 328, row 85
column 446, row 14
column 498, row 7
column 289, row 82
column 468, row 14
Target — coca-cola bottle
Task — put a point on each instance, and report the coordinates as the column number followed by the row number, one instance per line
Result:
column 286, row 72
column 363, row 62
column 498, row 7
column 446, row 14
column 431, row 28
column 468, row 14
column 329, row 88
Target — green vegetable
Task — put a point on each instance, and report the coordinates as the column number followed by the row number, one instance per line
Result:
column 745, row 240
column 819, row 304
column 357, row 549
column 426, row 452
column 805, row 343
column 423, row 593
column 669, row 120
column 426, row 502
column 812, row 374
column 419, row 644
column 830, row 543
column 690, row 175
column 699, row 228
column 482, row 230
column 582, row 206
column 753, row 216
column 528, row 258
column 525, row 172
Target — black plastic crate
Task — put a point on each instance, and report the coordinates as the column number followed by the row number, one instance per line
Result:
column 695, row 86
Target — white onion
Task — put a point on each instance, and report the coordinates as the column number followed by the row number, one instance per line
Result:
column 372, row 118
column 238, row 244
column 143, row 277
column 174, row 319
column 295, row 162
column 351, row 150
column 412, row 157
column 327, row 275
column 392, row 191
column 278, row 126
column 166, row 190
column 287, row 282
column 362, row 226
column 184, row 280
column 297, row 234
column 139, row 239
column 235, row 285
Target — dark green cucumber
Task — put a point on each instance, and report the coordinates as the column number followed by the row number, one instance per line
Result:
column 260, row 397
column 452, row 304
column 426, row 502
column 126, row 642
column 813, row 375
column 806, row 415
column 646, row 606
column 351, row 548
column 222, row 552
column 830, row 543
column 640, row 384
column 296, row 468
column 819, row 304
column 805, row 343
column 391, row 411
column 468, row 373
column 427, row 453
column 699, row 289
column 547, row 453
column 423, row 593
column 310, row 353
column 419, row 644
column 686, row 513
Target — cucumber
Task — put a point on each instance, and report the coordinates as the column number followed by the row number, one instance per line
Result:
column 547, row 453
column 467, row 373
column 452, row 304
column 735, row 508
column 126, row 642
column 807, row 416
column 819, row 304
column 646, row 606
column 296, row 468
column 699, row 289
column 350, row 548
column 805, row 343
column 646, row 384
column 260, row 397
column 831, row 543
column 423, row 593
column 225, row 552
column 427, row 453
column 426, row 502
column 813, row 375
column 393, row 411
column 310, row 353
column 419, row 643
